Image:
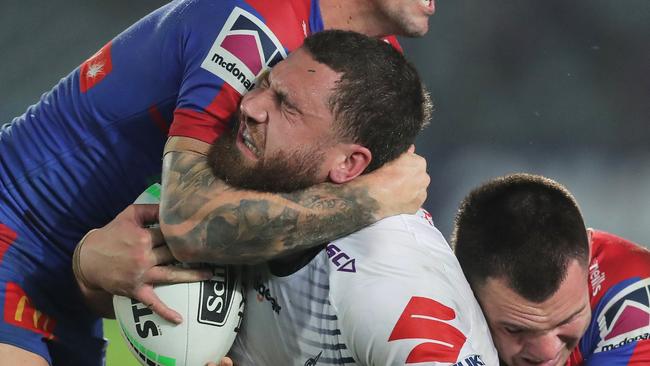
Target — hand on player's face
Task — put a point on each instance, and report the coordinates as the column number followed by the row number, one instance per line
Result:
column 125, row 258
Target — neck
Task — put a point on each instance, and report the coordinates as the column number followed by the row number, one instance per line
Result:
column 360, row 16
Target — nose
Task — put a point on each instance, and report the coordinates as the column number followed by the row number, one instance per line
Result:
column 543, row 348
column 254, row 106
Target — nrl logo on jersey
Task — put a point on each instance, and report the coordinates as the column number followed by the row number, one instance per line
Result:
column 626, row 317
column 243, row 49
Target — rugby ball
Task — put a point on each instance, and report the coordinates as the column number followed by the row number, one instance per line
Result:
column 212, row 311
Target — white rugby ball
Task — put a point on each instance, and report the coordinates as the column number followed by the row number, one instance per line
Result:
column 212, row 311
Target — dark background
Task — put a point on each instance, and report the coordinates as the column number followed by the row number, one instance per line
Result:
column 560, row 88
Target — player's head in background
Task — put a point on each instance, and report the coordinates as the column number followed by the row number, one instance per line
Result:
column 341, row 105
column 379, row 17
column 523, row 246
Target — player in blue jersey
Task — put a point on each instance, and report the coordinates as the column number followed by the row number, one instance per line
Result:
column 170, row 83
column 554, row 293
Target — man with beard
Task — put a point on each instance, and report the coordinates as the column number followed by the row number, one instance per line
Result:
column 554, row 292
column 389, row 294
column 169, row 83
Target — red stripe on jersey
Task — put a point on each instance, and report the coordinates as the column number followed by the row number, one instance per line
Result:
column 575, row 359
column 209, row 125
column 158, row 119
column 198, row 125
column 286, row 32
column 19, row 311
column 225, row 104
column 641, row 354
column 394, row 42
column 7, row 237
column 96, row 68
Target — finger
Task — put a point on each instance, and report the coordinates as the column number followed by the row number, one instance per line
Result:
column 157, row 238
column 174, row 274
column 147, row 296
column 226, row 361
column 162, row 255
column 145, row 214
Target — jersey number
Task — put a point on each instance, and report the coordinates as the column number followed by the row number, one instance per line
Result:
column 424, row 318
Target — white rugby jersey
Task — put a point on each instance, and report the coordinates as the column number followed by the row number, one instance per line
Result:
column 390, row 294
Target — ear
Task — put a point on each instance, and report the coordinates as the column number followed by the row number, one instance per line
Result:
column 352, row 161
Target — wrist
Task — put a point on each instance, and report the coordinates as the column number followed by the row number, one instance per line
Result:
column 77, row 267
column 366, row 192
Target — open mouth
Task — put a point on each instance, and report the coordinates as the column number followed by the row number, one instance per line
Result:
column 246, row 142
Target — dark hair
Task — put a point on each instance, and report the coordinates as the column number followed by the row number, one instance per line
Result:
column 379, row 102
column 522, row 228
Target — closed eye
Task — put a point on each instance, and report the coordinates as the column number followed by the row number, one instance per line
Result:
column 280, row 96
column 285, row 103
column 513, row 330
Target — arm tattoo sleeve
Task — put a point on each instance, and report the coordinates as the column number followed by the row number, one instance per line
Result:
column 218, row 223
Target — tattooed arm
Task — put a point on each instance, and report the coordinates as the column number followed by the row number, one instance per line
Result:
column 205, row 220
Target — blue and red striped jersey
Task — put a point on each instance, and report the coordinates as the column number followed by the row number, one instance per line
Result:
column 619, row 331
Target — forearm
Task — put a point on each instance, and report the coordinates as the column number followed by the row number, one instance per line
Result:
column 203, row 219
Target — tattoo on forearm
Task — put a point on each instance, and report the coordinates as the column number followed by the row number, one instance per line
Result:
column 236, row 226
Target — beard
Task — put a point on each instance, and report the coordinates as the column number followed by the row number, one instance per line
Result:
column 283, row 172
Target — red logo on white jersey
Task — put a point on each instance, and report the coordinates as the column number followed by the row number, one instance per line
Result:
column 96, row 68
column 425, row 318
column 426, row 215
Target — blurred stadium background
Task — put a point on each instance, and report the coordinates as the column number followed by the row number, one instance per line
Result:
column 559, row 88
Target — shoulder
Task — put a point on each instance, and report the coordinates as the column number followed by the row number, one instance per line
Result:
column 619, row 276
column 608, row 245
column 202, row 14
column 405, row 250
column 406, row 234
column 408, row 247
column 387, row 276
column 608, row 253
